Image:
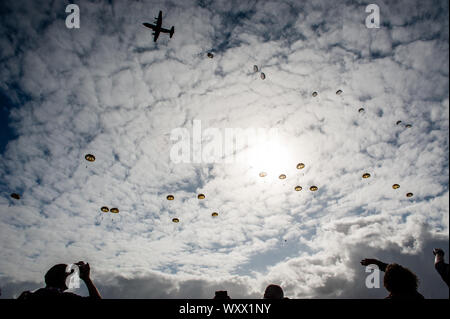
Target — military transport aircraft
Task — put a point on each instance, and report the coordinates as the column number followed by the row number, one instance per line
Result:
column 157, row 28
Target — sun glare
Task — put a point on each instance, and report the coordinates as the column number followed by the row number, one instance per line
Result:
column 271, row 157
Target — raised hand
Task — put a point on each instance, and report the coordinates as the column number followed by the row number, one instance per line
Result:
column 369, row 261
column 438, row 251
column 85, row 270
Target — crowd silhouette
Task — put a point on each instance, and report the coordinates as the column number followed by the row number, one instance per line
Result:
column 399, row 281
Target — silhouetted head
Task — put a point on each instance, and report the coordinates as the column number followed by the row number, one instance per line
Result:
column 273, row 292
column 56, row 276
column 221, row 294
column 399, row 280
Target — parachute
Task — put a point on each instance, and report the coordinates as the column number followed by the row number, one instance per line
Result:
column 313, row 188
column 398, row 122
column 300, row 165
column 338, row 92
column 170, row 197
column 409, row 195
column 366, row 175
column 89, row 157
column 408, row 125
column 15, row 196
column 361, row 110
column 214, row 214
column 298, row 188
column 262, row 174
column 395, row 186
column 255, row 68
column 201, row 196
column 175, row 220
column 263, row 76
column 282, row 176
column 104, row 209
column 210, row 55
column 314, row 94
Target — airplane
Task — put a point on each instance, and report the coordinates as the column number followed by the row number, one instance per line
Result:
column 157, row 28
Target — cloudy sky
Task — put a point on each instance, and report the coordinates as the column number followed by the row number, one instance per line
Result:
column 107, row 89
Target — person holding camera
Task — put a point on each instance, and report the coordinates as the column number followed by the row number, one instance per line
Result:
column 55, row 281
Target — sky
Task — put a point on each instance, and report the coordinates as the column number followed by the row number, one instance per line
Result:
column 156, row 116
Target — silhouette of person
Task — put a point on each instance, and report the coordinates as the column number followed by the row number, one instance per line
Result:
column 401, row 282
column 221, row 294
column 274, row 292
column 55, row 281
column 441, row 267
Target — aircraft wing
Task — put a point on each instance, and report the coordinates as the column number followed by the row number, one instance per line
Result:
column 148, row 25
column 159, row 20
column 156, row 34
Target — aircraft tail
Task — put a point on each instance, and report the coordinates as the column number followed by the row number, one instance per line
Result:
column 172, row 31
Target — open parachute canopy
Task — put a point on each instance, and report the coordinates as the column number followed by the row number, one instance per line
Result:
column 298, row 188
column 89, row 157
column 409, row 195
column 300, row 166
column 210, row 55
column 408, row 125
column 104, row 209
column 366, row 175
column 263, row 76
column 175, row 220
column 395, row 186
column 314, row 94
column 15, row 196
column 170, row 197
column 361, row 110
column 282, row 176
column 313, row 188
column 201, row 196
column 338, row 92
column 398, row 122
column 262, row 174
column 114, row 210
column 214, row 214
column 255, row 68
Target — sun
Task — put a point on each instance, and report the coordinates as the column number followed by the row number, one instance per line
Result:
column 270, row 156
